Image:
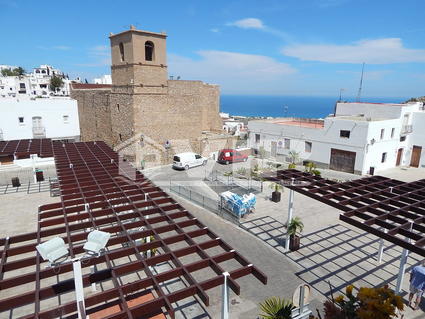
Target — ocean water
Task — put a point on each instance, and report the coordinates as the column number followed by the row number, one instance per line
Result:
column 294, row 106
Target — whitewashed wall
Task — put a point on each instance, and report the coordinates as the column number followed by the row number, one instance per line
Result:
column 51, row 111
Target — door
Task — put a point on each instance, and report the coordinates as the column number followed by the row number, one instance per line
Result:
column 342, row 160
column 36, row 122
column 399, row 156
column 416, row 156
column 273, row 149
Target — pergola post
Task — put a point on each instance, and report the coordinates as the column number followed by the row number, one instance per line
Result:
column 402, row 269
column 79, row 288
column 381, row 248
column 225, row 298
column 290, row 211
column 381, row 241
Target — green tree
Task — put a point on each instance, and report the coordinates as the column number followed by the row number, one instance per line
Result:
column 55, row 83
column 19, row 71
column 15, row 72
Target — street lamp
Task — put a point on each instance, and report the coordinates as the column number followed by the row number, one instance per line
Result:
column 55, row 249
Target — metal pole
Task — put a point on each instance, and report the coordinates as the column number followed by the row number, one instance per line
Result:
column 148, row 240
column 225, row 298
column 290, row 211
column 79, row 288
column 402, row 268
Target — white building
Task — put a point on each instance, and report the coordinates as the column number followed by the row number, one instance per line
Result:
column 105, row 79
column 34, row 84
column 25, row 118
column 361, row 138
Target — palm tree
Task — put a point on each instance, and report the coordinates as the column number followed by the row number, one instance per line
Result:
column 276, row 308
column 295, row 226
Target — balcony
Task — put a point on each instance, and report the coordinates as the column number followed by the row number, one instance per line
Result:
column 406, row 129
column 38, row 132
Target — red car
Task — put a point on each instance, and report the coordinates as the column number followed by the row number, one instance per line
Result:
column 228, row 156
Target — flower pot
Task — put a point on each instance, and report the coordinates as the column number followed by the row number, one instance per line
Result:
column 294, row 242
column 276, row 196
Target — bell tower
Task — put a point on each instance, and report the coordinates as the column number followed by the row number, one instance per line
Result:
column 139, row 62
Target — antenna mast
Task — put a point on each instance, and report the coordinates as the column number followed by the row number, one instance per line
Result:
column 360, row 87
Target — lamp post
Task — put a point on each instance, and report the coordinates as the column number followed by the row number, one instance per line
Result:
column 290, row 212
column 54, row 249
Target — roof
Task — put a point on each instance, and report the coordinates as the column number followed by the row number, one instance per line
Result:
column 387, row 208
column 89, row 86
column 100, row 191
column 302, row 122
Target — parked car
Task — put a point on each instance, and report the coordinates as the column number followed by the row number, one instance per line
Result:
column 228, row 156
column 188, row 160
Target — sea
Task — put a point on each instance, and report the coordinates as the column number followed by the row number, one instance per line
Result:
column 289, row 106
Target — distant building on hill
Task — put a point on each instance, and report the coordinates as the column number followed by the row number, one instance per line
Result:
column 175, row 115
column 360, row 138
column 34, row 84
column 105, row 79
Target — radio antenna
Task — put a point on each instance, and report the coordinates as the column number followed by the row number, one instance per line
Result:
column 360, row 87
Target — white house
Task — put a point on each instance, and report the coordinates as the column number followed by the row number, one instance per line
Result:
column 361, row 138
column 26, row 118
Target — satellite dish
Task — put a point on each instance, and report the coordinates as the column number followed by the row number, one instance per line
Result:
column 296, row 297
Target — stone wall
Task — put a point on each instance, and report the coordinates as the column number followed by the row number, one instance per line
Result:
column 94, row 114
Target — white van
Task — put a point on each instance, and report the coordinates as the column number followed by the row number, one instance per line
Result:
column 188, row 160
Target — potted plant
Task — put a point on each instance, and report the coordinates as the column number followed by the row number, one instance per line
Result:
column 295, row 228
column 276, row 194
column 276, row 308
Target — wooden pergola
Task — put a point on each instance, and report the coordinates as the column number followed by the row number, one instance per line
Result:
column 148, row 227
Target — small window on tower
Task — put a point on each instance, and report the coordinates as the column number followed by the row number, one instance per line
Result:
column 149, row 51
column 122, row 52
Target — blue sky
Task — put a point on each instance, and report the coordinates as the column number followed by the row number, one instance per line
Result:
column 268, row 47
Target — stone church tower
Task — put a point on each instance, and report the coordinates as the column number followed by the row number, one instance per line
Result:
column 142, row 101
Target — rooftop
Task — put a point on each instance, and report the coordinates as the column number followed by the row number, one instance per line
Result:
column 302, row 122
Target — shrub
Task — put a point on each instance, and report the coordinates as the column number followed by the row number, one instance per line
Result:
column 292, row 166
column 276, row 308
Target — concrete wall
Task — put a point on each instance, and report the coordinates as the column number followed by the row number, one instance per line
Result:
column 51, row 112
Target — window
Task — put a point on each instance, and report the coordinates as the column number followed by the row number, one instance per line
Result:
column 149, row 47
column 384, row 157
column 392, row 132
column 344, row 134
column 120, row 137
column 198, row 156
column 382, row 134
column 286, row 143
column 308, row 147
column 122, row 51
column 22, row 85
column 257, row 138
column 21, row 120
column 402, row 138
column 118, row 107
column 66, row 118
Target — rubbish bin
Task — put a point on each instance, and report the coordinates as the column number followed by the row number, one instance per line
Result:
column 39, row 175
column 15, row 182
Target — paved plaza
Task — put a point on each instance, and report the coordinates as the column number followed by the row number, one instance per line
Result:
column 332, row 254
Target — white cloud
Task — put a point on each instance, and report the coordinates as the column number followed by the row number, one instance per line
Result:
column 215, row 30
column 235, row 72
column 248, row 23
column 375, row 51
column 55, row 47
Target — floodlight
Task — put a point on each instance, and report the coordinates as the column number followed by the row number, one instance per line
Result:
column 52, row 250
column 96, row 241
